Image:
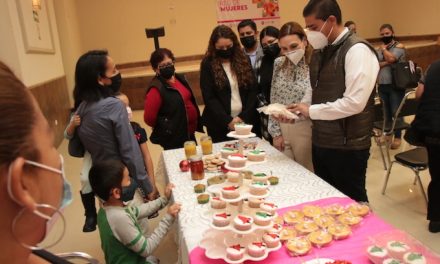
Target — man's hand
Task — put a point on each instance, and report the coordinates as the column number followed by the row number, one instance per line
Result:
column 174, row 209
column 169, row 190
column 300, row 109
column 234, row 121
column 154, row 194
column 278, row 143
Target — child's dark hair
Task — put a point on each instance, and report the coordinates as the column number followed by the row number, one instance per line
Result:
column 106, row 175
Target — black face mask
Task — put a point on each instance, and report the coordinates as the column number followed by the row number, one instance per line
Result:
column 224, row 54
column 167, row 72
column 387, row 39
column 272, row 50
column 248, row 42
column 116, row 83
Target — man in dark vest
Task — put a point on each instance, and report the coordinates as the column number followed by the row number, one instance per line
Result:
column 343, row 73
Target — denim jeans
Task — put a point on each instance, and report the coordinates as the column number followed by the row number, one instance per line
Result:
column 391, row 98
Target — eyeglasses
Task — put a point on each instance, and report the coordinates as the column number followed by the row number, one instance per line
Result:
column 165, row 65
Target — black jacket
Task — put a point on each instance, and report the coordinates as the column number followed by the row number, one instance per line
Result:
column 171, row 129
column 264, row 76
column 217, row 113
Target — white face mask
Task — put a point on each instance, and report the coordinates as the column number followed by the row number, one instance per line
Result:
column 317, row 39
column 295, row 56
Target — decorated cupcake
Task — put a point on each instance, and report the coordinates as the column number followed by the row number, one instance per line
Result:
column 275, row 228
column 293, row 217
column 260, row 177
column 203, row 198
column 298, row 246
column 414, row 258
column 359, row 209
column 242, row 129
column 230, row 192
column 397, row 249
column 243, row 223
column 262, row 218
column 233, row 176
column 320, row 238
column 216, row 203
column 199, row 188
column 269, row 207
column 225, row 152
column 254, row 202
column 256, row 155
column 287, row 233
column 377, row 254
column 258, row 188
column 237, row 161
column 256, row 249
column 335, row 209
column 221, row 219
column 311, row 211
column 272, row 240
column 324, row 221
column 235, row 252
column 306, row 227
column 349, row 219
column 339, row 231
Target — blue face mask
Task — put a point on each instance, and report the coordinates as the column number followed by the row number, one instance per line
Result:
column 127, row 192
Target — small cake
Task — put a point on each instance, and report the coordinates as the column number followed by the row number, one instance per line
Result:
column 256, row 249
column 243, row 223
column 235, row 252
column 256, row 155
column 233, row 176
column 335, row 209
column 311, row 211
column 260, row 177
column 320, row 238
column 254, row 202
column 272, row 240
column 349, row 219
column 306, row 227
column 258, row 188
column 293, row 217
column 298, row 246
column 216, row 203
column 287, row 233
column 203, row 198
column 275, row 228
column 377, row 254
column 269, row 207
column 324, row 221
column 339, row 231
column 230, row 192
column 397, row 249
column 392, row 261
column 359, row 209
column 199, row 188
column 237, row 161
column 273, row 180
column 414, row 258
column 262, row 218
column 225, row 152
column 242, row 129
column 216, row 180
column 278, row 220
column 221, row 219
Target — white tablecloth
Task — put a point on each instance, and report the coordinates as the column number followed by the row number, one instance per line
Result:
column 297, row 185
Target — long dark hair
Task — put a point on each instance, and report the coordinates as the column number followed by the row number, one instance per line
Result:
column 293, row 28
column 240, row 65
column 269, row 31
column 89, row 67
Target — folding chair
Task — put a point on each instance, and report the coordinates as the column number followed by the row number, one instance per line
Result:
column 78, row 256
column 378, row 127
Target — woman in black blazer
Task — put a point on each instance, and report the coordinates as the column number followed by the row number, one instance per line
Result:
column 228, row 85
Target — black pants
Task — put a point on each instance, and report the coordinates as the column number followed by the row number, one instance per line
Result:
column 434, row 185
column 343, row 169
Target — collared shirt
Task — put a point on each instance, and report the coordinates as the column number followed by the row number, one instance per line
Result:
column 255, row 57
column 361, row 69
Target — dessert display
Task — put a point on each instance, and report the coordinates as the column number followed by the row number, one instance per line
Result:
column 254, row 202
column 258, row 188
column 230, row 192
column 236, row 161
column 397, row 249
column 243, row 223
column 242, row 129
column 287, row 233
column 335, row 209
column 392, row 261
column 377, row 254
column 414, row 258
column 199, row 188
column 203, row 198
column 221, row 219
column 247, row 146
column 324, row 221
column 339, row 231
column 311, row 211
column 298, row 246
column 256, row 249
column 233, row 176
column 262, row 218
column 260, row 177
column 269, row 207
column 256, row 155
column 235, row 252
column 273, row 180
column 349, row 219
column 225, row 152
column 320, row 238
column 306, row 227
column 272, row 240
column 275, row 228
column 217, row 203
column 293, row 217
column 359, row 209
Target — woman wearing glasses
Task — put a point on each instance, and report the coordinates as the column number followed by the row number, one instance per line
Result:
column 170, row 107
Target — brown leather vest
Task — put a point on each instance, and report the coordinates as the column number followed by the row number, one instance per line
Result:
column 327, row 76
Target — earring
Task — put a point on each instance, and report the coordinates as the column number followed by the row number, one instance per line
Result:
column 50, row 220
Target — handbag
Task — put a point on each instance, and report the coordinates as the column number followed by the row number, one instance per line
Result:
column 405, row 75
column 75, row 147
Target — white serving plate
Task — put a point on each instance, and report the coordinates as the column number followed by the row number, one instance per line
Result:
column 319, row 261
column 232, row 134
column 244, row 191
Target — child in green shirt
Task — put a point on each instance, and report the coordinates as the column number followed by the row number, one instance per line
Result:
column 122, row 238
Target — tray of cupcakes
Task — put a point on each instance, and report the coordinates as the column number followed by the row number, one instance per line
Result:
column 314, row 226
column 253, row 156
column 233, row 248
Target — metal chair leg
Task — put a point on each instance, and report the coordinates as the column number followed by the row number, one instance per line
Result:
column 387, row 178
column 416, row 171
column 415, row 181
column 387, row 148
column 383, row 157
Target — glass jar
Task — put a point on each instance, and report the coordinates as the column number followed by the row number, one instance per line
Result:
column 197, row 168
